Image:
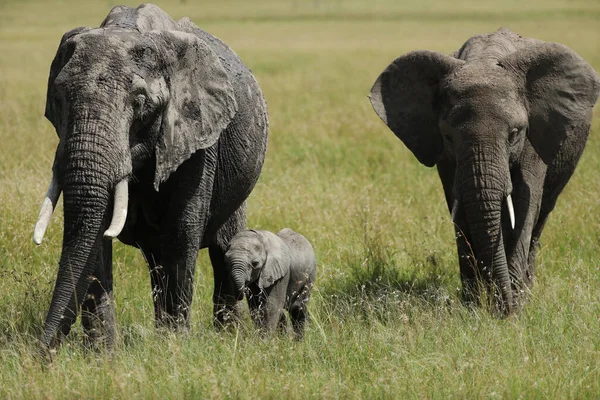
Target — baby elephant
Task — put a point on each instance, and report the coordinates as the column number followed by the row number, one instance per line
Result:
column 275, row 272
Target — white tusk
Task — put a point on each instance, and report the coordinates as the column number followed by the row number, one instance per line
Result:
column 454, row 210
column 511, row 211
column 46, row 210
column 119, row 210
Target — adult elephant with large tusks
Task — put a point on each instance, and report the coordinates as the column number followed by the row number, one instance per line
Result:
column 162, row 137
column 505, row 119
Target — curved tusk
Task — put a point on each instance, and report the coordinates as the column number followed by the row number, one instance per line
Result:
column 48, row 206
column 454, row 210
column 511, row 211
column 119, row 210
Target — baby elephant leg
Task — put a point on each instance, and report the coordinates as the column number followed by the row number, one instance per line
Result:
column 283, row 324
column 299, row 312
column 256, row 304
column 276, row 295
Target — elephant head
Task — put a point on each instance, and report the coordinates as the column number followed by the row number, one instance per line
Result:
column 256, row 257
column 120, row 97
column 477, row 111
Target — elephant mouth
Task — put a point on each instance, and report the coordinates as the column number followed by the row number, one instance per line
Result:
column 509, row 206
column 121, row 199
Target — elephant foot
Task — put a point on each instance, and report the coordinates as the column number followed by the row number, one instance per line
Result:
column 471, row 292
column 178, row 322
column 226, row 317
column 98, row 320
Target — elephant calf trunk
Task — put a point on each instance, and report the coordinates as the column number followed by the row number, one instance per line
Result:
column 239, row 279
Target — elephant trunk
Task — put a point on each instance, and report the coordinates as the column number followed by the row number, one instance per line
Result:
column 487, row 242
column 88, row 166
column 484, row 191
column 239, row 275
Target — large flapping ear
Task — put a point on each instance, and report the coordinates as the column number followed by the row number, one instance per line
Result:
column 405, row 96
column 561, row 89
column 62, row 57
column 201, row 101
column 277, row 264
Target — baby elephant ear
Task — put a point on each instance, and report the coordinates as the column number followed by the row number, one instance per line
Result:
column 405, row 97
column 201, row 100
column 277, row 265
column 561, row 89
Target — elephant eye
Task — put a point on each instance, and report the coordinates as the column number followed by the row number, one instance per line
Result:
column 138, row 104
column 449, row 139
column 255, row 263
column 513, row 136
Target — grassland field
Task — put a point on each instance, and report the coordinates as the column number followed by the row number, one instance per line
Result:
column 387, row 321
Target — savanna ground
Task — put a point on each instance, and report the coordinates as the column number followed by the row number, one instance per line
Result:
column 387, row 319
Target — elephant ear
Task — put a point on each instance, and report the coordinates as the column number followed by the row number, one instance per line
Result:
column 201, row 101
column 561, row 89
column 62, row 57
column 277, row 263
column 405, row 96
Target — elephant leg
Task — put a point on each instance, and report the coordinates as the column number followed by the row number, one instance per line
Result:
column 184, row 224
column 298, row 310
column 158, row 282
column 282, row 326
column 469, row 275
column 299, row 316
column 176, row 273
column 98, row 310
column 526, row 196
column 275, row 303
column 535, row 244
column 256, row 304
column 171, row 279
column 225, row 302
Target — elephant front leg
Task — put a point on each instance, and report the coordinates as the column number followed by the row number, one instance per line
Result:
column 521, row 247
column 176, row 274
column 274, row 305
column 182, row 230
column 535, row 244
column 225, row 301
column 256, row 304
column 225, row 310
column 470, row 278
column 469, row 275
column 158, row 283
column 98, row 310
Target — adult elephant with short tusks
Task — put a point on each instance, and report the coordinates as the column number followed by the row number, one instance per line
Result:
column 505, row 119
column 162, row 137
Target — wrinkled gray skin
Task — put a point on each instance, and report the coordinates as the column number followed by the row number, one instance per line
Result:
column 276, row 273
column 172, row 110
column 503, row 115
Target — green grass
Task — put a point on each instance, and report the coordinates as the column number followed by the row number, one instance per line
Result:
column 387, row 320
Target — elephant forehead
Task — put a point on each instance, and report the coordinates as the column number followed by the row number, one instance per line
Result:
column 102, row 60
column 247, row 241
column 475, row 92
column 105, row 41
column 480, row 78
column 115, row 48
